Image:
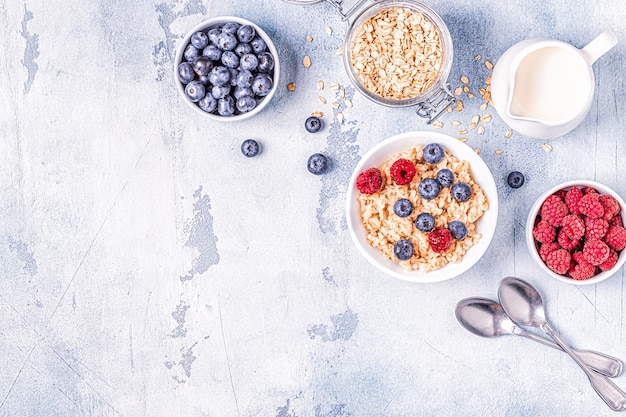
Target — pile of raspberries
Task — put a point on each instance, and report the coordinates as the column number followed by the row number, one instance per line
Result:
column 579, row 232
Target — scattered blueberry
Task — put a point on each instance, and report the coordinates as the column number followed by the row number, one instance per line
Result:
column 246, row 104
column 403, row 249
column 313, row 124
column 226, row 41
column 244, row 78
column 226, row 106
column 220, row 91
column 230, row 28
column 428, row 188
column 266, row 62
column 195, row 91
column 317, row 164
column 262, row 85
column 202, row 65
column 445, row 177
column 219, row 76
column 246, row 33
column 191, row 53
column 242, row 92
column 457, row 229
column 242, row 49
column 258, row 45
column 433, row 153
column 208, row 103
column 425, row 222
column 230, row 59
column 213, row 52
column 249, row 62
column 185, row 73
column 403, row 207
column 199, row 40
column 250, row 148
column 461, row 191
column 515, row 179
column 213, row 35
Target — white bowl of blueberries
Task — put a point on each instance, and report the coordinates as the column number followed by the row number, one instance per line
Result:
column 227, row 68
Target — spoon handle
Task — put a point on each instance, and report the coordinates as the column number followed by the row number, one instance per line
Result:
column 599, row 362
column 612, row 395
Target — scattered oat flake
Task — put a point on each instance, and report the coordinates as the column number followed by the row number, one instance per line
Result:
column 348, row 102
column 306, row 61
column 463, row 139
column 480, row 130
column 498, row 152
column 472, row 126
column 317, row 114
column 546, row 147
column 508, row 133
column 466, row 89
column 339, row 51
column 320, row 85
column 463, row 131
column 340, row 117
column 449, row 110
column 464, row 79
column 458, row 91
column 334, row 86
column 470, row 95
column 309, row 38
column 475, row 119
column 437, row 124
column 455, row 123
column 488, row 80
column 329, row 30
column 483, row 107
column 291, row 86
column 489, row 65
column 335, row 105
column 321, row 99
column 477, row 57
column 342, row 93
column 486, row 118
column 477, row 151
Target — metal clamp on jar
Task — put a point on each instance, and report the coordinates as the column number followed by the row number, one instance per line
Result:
column 397, row 53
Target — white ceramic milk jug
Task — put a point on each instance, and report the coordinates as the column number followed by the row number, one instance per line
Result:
column 543, row 88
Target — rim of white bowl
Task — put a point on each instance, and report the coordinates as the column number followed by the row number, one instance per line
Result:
column 214, row 21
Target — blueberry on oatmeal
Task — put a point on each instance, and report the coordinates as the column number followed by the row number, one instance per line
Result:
column 403, row 207
column 403, row 249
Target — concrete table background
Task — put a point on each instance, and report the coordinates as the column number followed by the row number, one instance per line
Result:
column 148, row 269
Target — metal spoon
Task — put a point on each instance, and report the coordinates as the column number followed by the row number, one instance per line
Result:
column 487, row 318
column 524, row 305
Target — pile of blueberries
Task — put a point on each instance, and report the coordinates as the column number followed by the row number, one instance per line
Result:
column 226, row 70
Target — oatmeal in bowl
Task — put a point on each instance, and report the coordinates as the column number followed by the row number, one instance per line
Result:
column 422, row 206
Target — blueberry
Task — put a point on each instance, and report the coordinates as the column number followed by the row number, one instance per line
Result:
column 250, row 148
column 246, row 33
column 262, row 85
column 230, row 28
column 515, row 179
column 243, row 92
column 246, row 104
column 191, row 53
column 425, row 222
column 461, row 191
column 243, row 48
column 428, row 188
column 226, row 41
column 317, row 164
column 249, row 62
column 219, row 76
column 457, row 229
column 204, row 79
column 258, row 45
column 266, row 62
column 445, row 177
column 226, row 106
column 403, row 249
column 195, row 91
column 433, row 153
column 403, row 207
column 213, row 52
column 199, row 40
column 185, row 72
column 233, row 76
column 202, row 65
column 220, row 91
column 313, row 124
column 208, row 103
column 213, row 35
column 244, row 78
column 230, row 59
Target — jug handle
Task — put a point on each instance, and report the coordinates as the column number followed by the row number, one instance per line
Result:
column 599, row 46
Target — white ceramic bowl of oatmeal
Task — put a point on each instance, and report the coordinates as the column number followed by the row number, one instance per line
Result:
column 481, row 229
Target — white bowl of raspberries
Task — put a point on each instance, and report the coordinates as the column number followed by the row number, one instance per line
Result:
column 226, row 68
column 575, row 231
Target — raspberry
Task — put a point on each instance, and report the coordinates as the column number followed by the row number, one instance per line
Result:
column 616, row 221
column 369, row 181
column 573, row 226
column 440, row 239
column 596, row 251
column 596, row 228
column 565, row 241
column 589, row 190
column 582, row 270
column 553, row 210
column 561, row 194
column 590, row 206
column 402, row 171
column 559, row 261
column 610, row 261
column 544, row 232
column 572, row 198
column 616, row 237
column 610, row 205
column 546, row 249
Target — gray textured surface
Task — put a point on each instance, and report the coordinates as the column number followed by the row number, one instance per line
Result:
column 148, row 269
